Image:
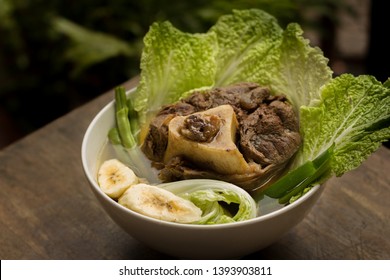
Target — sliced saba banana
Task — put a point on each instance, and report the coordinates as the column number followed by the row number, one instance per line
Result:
column 161, row 204
column 114, row 178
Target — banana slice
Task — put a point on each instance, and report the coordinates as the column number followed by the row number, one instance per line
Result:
column 114, row 178
column 161, row 204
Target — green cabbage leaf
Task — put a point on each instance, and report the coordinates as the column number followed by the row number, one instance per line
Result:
column 173, row 63
column 254, row 48
column 353, row 115
column 220, row 202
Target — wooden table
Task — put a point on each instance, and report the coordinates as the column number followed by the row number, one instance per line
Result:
column 47, row 210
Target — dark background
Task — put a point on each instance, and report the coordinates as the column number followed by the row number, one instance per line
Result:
column 56, row 55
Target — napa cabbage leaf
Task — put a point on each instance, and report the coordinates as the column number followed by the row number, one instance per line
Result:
column 220, row 202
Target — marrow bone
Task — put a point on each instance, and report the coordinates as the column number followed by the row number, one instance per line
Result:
column 216, row 128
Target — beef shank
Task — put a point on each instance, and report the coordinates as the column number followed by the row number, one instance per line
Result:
column 190, row 138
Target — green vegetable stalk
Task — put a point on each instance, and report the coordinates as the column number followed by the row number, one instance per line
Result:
column 123, row 138
column 133, row 118
column 122, row 118
column 297, row 180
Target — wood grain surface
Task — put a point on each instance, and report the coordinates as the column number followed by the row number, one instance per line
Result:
column 47, row 210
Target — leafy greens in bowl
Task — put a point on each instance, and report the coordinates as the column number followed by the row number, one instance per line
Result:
column 342, row 120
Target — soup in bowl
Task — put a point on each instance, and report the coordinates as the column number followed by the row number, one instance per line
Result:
column 189, row 240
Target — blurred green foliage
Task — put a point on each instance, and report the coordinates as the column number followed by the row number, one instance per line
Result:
column 56, row 55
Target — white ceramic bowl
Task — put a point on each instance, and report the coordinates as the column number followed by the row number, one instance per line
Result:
column 182, row 240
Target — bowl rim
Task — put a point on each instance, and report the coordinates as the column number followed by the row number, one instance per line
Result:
column 97, row 190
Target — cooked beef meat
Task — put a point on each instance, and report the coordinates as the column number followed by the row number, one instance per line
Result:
column 268, row 130
column 266, row 138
